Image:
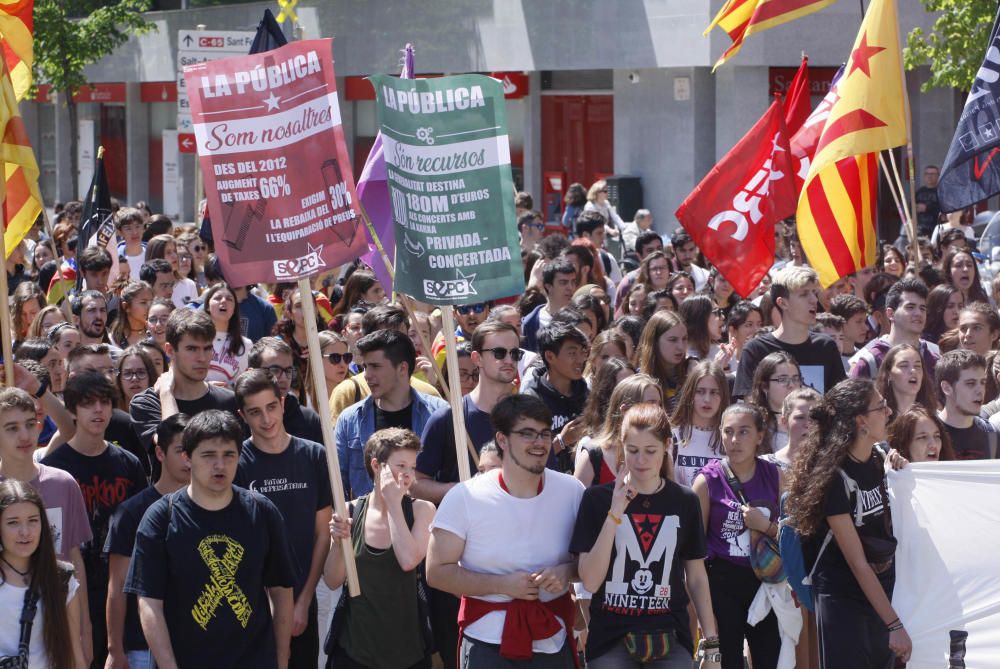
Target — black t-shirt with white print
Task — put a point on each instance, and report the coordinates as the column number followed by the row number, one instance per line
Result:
column 833, row 575
column 818, row 358
column 644, row 587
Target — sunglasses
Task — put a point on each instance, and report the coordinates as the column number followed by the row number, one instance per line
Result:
column 336, row 358
column 500, row 353
column 467, row 309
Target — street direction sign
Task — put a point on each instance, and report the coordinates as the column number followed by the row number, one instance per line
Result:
column 198, row 46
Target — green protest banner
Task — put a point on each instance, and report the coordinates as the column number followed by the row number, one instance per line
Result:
column 448, row 165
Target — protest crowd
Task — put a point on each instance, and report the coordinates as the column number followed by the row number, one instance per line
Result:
column 633, row 439
column 659, row 450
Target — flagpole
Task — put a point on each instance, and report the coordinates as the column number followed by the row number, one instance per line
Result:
column 5, row 319
column 892, row 190
column 909, row 217
column 908, row 118
column 55, row 254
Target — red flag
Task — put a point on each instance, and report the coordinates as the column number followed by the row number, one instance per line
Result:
column 732, row 212
column 797, row 99
column 804, row 142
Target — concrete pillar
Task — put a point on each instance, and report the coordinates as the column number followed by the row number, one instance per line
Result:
column 65, row 180
column 664, row 133
column 533, row 139
column 137, row 140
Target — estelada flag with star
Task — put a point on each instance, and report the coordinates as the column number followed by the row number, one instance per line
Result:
column 742, row 18
column 971, row 170
column 836, row 212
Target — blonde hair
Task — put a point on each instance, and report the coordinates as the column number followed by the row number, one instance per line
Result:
column 794, row 277
column 598, row 186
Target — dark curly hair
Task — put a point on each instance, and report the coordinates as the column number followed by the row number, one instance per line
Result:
column 824, row 450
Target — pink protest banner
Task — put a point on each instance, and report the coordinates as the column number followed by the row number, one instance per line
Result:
column 277, row 174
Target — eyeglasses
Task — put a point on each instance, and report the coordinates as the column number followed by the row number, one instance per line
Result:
column 134, row 374
column 786, row 380
column 467, row 309
column 883, row 406
column 500, row 353
column 536, row 226
column 336, row 358
column 468, row 376
column 533, row 435
column 276, row 371
column 659, row 269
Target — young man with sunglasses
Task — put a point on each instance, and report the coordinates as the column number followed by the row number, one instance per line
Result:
column 530, row 227
column 389, row 358
column 485, row 548
column 469, row 317
column 275, row 356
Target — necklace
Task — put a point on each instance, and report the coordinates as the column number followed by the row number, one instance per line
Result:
column 646, row 502
column 25, row 575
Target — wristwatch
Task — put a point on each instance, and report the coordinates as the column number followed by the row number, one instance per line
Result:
column 562, row 443
column 42, row 389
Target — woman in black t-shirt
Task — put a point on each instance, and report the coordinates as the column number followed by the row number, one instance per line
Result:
column 855, row 567
column 639, row 540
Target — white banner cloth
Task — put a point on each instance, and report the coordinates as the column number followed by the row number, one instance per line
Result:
column 947, row 519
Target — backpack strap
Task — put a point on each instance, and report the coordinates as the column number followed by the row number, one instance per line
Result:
column 733, row 482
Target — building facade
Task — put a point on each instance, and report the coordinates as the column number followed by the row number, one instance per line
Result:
column 595, row 87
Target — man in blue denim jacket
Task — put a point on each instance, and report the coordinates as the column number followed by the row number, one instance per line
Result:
column 389, row 358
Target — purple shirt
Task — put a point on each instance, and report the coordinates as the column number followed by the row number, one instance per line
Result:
column 728, row 538
column 64, row 507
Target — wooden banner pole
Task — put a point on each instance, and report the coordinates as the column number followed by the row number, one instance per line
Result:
column 326, row 422
column 899, row 205
column 6, row 322
column 455, row 392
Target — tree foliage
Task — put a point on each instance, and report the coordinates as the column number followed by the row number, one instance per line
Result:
column 955, row 46
column 72, row 34
column 64, row 45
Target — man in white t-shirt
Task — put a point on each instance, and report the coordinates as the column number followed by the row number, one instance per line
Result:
column 500, row 541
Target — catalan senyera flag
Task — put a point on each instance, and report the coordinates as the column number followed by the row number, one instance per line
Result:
column 22, row 203
column 742, row 18
column 16, row 38
column 836, row 213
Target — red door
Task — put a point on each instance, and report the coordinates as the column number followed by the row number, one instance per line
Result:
column 578, row 137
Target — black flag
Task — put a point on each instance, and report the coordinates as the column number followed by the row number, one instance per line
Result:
column 97, row 224
column 269, row 35
column 971, row 170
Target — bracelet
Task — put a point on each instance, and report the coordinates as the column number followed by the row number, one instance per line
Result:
column 707, row 643
column 896, row 627
column 712, row 657
column 892, row 622
column 615, row 519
